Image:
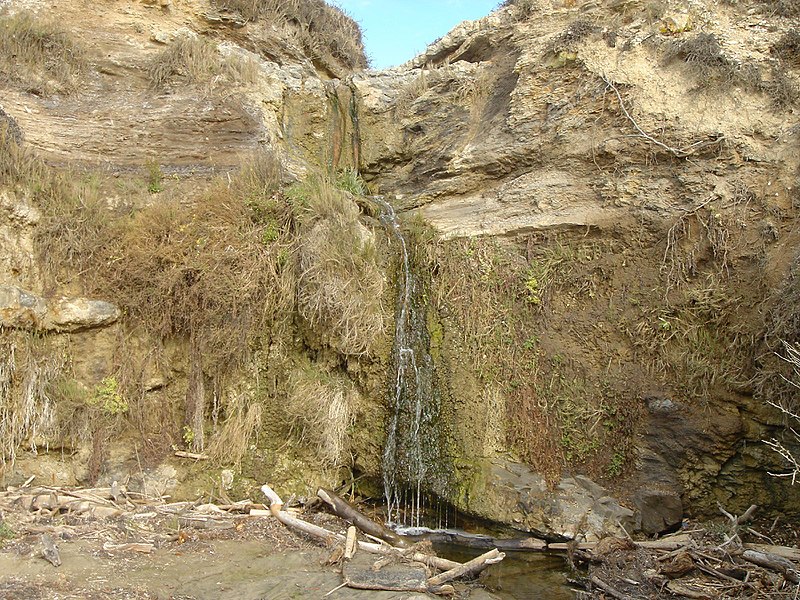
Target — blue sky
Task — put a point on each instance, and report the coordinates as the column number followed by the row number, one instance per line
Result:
column 397, row 30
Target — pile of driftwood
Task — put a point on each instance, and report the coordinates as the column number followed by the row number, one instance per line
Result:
column 692, row 564
column 34, row 508
column 391, row 547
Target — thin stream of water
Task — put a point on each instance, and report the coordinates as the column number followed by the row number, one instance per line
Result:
column 412, row 458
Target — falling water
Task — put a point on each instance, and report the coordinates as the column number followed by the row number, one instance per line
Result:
column 413, row 460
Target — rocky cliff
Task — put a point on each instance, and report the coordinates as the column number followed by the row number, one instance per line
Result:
column 599, row 198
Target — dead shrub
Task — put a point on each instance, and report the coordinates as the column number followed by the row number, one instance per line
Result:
column 340, row 284
column 215, row 269
column 28, row 363
column 788, row 47
column 568, row 39
column 320, row 28
column 781, row 8
column 197, row 60
column 781, row 89
column 74, row 221
column 10, row 128
column 704, row 55
column 38, row 55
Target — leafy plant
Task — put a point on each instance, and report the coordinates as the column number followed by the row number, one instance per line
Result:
column 617, row 464
column 107, row 397
column 154, row 177
column 6, row 533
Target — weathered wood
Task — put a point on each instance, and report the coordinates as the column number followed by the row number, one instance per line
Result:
column 142, row 548
column 191, row 455
column 773, row 562
column 351, row 545
column 681, row 589
column 348, row 512
column 782, row 551
column 471, row 540
column 468, row 569
column 329, row 537
column 608, row 589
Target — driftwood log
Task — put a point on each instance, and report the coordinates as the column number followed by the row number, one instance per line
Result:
column 328, row 537
column 773, row 563
column 436, row 584
column 468, row 569
column 342, row 508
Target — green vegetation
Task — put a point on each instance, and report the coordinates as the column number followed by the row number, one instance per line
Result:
column 197, row 60
column 154, row 177
column 495, row 299
column 37, row 54
column 243, row 266
column 107, row 398
column 6, row 533
column 322, row 29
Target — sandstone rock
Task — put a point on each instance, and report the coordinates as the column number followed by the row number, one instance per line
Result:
column 74, row 314
column 512, row 493
column 21, row 309
column 658, row 510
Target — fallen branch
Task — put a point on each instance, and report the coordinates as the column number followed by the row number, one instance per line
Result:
column 192, row 455
column 774, row 563
column 608, row 589
column 328, row 537
column 342, row 508
column 468, row 569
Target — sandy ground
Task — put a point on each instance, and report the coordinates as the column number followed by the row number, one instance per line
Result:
column 254, row 559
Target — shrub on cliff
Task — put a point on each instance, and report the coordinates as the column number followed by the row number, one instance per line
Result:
column 320, row 27
column 197, row 60
column 340, row 284
column 36, row 54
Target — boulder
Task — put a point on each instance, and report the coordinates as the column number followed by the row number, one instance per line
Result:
column 512, row 493
column 20, row 309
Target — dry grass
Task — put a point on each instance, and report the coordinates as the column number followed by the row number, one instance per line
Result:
column 712, row 68
column 788, row 47
column 28, row 364
column 568, row 39
column 215, row 269
column 340, row 284
column 38, row 55
column 197, row 60
column 319, row 413
column 320, row 28
column 239, row 430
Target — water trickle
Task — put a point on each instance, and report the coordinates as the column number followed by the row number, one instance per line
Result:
column 414, row 465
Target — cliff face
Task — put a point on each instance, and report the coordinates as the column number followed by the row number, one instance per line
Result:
column 600, row 196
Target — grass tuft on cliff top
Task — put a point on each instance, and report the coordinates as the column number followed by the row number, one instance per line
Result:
column 38, row 55
column 197, row 60
column 321, row 28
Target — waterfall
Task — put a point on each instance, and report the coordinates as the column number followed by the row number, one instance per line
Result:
column 414, row 465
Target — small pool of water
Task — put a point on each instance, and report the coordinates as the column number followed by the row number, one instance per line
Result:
column 520, row 575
